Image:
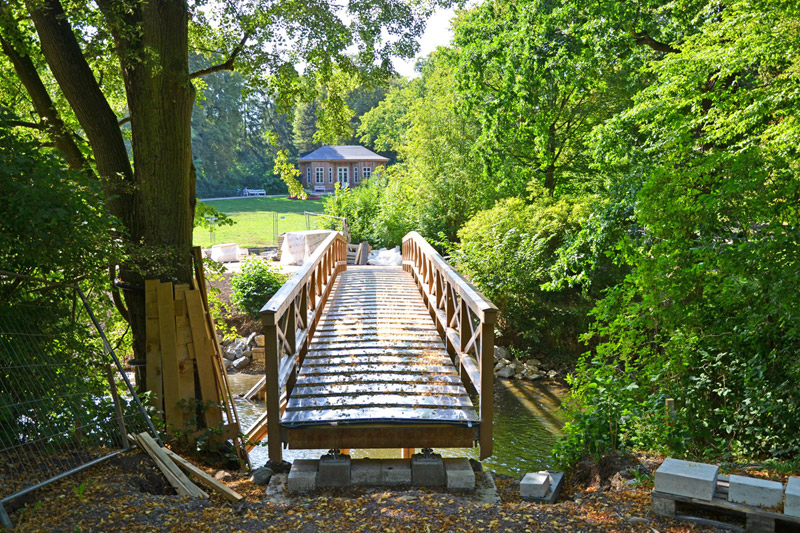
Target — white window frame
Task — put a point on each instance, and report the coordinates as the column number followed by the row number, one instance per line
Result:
column 366, row 172
column 308, row 175
column 355, row 174
column 343, row 175
column 330, row 174
column 319, row 175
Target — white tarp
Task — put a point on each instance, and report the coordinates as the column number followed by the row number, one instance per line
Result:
column 227, row 253
column 385, row 257
column 299, row 246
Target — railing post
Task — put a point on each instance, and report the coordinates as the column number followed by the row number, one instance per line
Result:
column 464, row 325
column 449, row 304
column 486, row 399
column 271, row 357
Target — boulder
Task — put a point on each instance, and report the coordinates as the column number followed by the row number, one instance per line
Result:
column 499, row 365
column 250, row 339
column 240, row 363
column 223, row 476
column 261, row 476
column 534, row 362
column 501, row 353
column 505, row 372
column 552, row 374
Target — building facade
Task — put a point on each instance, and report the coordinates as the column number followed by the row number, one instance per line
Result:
column 348, row 166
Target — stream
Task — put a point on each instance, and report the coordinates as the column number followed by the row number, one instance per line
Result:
column 526, row 426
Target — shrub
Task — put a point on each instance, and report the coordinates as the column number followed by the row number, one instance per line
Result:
column 255, row 285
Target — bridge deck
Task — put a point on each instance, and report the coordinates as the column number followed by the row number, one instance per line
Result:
column 376, row 358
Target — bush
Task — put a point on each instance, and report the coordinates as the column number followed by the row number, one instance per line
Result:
column 255, row 285
column 509, row 252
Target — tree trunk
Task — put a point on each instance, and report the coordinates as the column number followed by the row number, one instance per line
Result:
column 156, row 200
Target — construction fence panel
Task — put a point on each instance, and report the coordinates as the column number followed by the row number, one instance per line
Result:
column 65, row 401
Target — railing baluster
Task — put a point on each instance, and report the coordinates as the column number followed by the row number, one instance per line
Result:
column 486, row 405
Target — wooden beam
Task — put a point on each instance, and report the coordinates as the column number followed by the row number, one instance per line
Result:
column 173, row 415
column 211, row 483
column 381, row 436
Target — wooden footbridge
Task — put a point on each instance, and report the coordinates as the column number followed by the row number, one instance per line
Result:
column 377, row 357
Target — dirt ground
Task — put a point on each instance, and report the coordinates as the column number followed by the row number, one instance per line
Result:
column 128, row 493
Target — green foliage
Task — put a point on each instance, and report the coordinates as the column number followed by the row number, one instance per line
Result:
column 254, row 285
column 708, row 314
column 359, row 205
column 207, row 217
column 289, row 174
column 509, row 251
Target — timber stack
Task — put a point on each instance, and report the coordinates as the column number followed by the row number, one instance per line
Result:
column 185, row 374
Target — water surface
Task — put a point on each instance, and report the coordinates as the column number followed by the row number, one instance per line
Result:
column 526, row 426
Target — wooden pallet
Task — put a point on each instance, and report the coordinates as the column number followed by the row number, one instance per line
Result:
column 756, row 519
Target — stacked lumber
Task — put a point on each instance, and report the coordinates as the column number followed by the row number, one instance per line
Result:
column 184, row 361
column 178, row 471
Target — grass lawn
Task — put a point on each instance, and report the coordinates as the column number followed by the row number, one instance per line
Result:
column 254, row 217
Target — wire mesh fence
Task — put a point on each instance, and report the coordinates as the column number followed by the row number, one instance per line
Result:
column 65, row 402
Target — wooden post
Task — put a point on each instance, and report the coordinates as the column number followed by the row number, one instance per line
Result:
column 464, row 325
column 486, row 399
column 291, row 330
column 271, row 358
column 407, row 452
column 449, row 304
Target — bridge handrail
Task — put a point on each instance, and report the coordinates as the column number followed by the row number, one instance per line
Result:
column 465, row 319
column 289, row 319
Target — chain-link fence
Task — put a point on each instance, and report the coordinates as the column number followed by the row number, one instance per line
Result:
column 65, row 400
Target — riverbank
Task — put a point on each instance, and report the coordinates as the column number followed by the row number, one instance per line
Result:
column 129, row 494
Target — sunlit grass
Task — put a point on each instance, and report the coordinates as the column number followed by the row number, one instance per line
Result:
column 255, row 220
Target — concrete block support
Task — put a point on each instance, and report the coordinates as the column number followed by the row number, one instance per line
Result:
column 334, row 471
column 687, row 478
column 755, row 492
column 459, row 473
column 427, row 470
column 303, row 475
column 534, row 485
column 395, row 472
column 365, row 472
column 791, row 506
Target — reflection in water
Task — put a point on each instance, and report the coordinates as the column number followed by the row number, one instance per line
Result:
column 526, row 426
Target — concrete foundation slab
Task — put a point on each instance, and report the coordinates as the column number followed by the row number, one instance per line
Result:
column 427, row 470
column 459, row 473
column 395, row 472
column 365, row 472
column 755, row 492
column 687, row 478
column 791, row 506
column 303, row 475
column 334, row 471
column 534, row 485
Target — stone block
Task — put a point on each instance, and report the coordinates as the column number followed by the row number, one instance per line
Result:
column 303, row 475
column 755, row 492
column 365, row 472
column 334, row 471
column 240, row 363
column 534, row 485
column 687, row 478
column 395, row 472
column 261, row 476
column 427, row 471
column 460, row 476
column 791, row 506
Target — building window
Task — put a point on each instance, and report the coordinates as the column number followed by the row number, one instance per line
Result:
column 308, row 175
column 343, row 176
column 330, row 174
column 367, row 172
column 319, row 175
column 355, row 174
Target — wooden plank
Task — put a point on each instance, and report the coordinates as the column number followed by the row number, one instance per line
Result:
column 183, row 336
column 381, row 436
column 302, row 391
column 153, row 377
column 381, row 369
column 343, row 415
column 173, row 415
column 378, row 333
column 308, row 380
column 338, row 344
column 205, row 356
column 371, row 359
column 220, row 488
column 173, row 474
column 319, row 403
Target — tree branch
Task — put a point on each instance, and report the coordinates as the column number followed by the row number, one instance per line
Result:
column 227, row 65
column 643, row 38
column 41, row 126
column 124, row 121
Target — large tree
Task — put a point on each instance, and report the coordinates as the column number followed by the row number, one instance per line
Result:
column 87, row 69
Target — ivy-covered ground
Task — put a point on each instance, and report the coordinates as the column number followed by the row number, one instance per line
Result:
column 129, row 494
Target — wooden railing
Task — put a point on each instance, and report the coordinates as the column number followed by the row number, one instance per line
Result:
column 289, row 319
column 465, row 320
